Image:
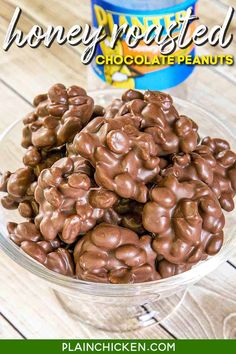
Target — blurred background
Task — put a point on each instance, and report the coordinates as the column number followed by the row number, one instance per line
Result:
column 30, row 71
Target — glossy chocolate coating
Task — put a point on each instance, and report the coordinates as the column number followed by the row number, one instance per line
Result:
column 98, row 111
column 130, row 215
column 112, row 110
column 124, row 158
column 113, row 254
column 17, row 186
column 213, row 163
column 122, row 194
column 224, row 181
column 70, row 203
column 172, row 132
column 167, row 269
column 25, row 231
column 42, row 159
column 57, row 117
column 20, row 185
column 49, row 253
column 186, row 219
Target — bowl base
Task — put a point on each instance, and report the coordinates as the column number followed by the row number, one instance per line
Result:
column 115, row 318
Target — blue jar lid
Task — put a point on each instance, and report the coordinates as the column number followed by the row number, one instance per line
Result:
column 147, row 5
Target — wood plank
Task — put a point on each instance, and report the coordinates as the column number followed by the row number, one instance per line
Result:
column 39, row 67
column 208, row 308
column 212, row 91
column 32, row 71
column 233, row 260
column 42, row 316
column 203, row 314
column 206, row 9
column 70, row 13
column 54, row 14
column 45, row 67
column 64, row 13
column 8, row 114
column 204, row 87
column 227, row 3
column 7, row 331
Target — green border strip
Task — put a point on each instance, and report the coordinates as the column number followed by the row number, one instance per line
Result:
column 117, row 346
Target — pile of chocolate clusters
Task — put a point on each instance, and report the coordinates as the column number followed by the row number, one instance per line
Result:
column 122, row 194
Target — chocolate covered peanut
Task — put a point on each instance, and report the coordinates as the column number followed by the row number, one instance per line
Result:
column 123, row 194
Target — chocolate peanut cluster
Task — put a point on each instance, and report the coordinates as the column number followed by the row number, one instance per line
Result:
column 125, row 158
column 211, row 162
column 20, row 185
column 186, row 219
column 51, row 254
column 158, row 117
column 69, row 202
column 110, row 253
column 57, row 117
column 128, row 193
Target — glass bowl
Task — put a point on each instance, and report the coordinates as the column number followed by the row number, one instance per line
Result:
column 107, row 306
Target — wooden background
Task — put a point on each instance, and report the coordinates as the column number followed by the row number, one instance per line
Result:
column 28, row 308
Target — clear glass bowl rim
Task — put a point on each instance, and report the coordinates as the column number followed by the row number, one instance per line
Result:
column 58, row 280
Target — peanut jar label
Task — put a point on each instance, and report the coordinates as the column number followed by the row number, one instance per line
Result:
column 141, row 66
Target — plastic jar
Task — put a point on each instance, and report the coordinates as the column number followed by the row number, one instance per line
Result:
column 142, row 13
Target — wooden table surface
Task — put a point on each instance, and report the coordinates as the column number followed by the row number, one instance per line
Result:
column 28, row 308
